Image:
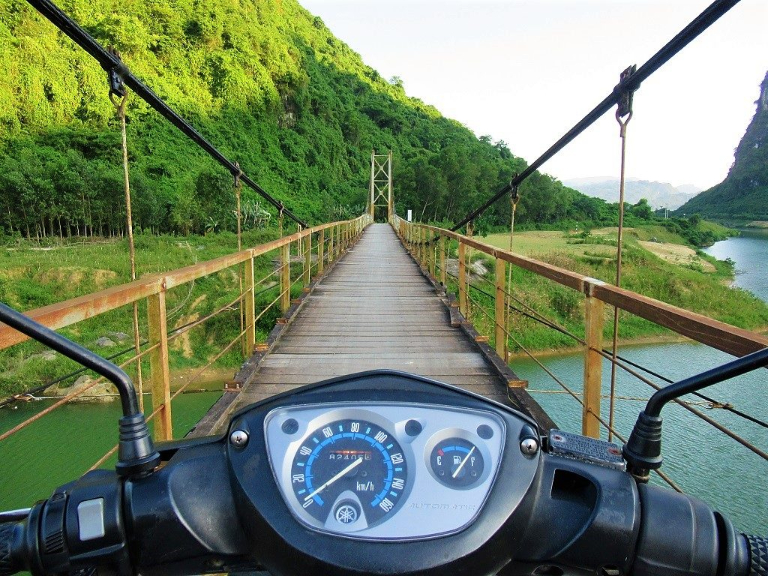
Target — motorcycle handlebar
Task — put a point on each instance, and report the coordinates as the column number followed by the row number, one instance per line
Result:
column 758, row 554
column 678, row 535
column 11, row 559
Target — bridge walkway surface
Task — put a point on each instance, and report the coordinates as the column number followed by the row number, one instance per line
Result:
column 375, row 309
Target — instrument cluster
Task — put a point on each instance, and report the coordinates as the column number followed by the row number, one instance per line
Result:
column 384, row 470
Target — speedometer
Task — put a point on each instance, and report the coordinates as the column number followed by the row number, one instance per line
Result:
column 349, row 472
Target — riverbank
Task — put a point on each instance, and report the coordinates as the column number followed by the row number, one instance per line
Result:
column 607, row 344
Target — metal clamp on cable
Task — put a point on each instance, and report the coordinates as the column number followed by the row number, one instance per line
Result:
column 514, row 194
column 624, row 104
column 115, row 75
column 237, row 175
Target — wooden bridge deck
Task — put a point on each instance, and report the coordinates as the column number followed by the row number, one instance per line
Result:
column 374, row 309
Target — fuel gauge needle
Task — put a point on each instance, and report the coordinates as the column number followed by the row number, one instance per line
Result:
column 456, row 473
column 332, row 480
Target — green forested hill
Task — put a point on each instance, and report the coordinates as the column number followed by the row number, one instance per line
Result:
column 268, row 84
column 743, row 195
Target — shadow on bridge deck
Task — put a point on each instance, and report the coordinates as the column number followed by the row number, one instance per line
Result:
column 374, row 309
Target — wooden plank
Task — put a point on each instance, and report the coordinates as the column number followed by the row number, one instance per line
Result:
column 250, row 307
column 158, row 367
column 463, row 279
column 500, row 315
column 269, row 377
column 711, row 332
column 321, row 252
column 593, row 366
column 285, row 278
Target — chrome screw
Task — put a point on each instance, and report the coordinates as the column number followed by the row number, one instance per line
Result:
column 239, row 438
column 529, row 446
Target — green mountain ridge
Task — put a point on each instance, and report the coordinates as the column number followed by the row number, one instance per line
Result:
column 269, row 85
column 743, row 195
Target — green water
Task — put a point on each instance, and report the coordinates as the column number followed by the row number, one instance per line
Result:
column 64, row 444
column 701, row 460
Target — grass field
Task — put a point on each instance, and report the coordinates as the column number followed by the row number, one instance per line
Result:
column 33, row 276
column 602, row 242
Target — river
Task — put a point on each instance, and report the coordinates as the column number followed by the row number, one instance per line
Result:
column 750, row 253
column 703, row 461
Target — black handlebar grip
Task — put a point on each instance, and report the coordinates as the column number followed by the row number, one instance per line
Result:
column 758, row 555
column 9, row 563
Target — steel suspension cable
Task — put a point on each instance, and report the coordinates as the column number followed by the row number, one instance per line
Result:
column 698, row 25
column 111, row 63
column 623, row 116
column 120, row 109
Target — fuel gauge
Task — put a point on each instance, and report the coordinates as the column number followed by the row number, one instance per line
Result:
column 457, row 463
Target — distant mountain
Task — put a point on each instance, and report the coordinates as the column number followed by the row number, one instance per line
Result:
column 658, row 194
column 743, row 195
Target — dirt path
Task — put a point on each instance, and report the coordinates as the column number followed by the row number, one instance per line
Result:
column 677, row 254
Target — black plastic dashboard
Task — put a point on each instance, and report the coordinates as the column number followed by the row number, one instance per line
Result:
column 316, row 470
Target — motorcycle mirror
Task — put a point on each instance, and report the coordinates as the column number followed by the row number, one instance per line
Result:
column 643, row 449
column 136, row 453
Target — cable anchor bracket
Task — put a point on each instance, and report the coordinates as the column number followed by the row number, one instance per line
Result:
column 625, row 96
column 239, row 174
column 514, row 192
column 115, row 75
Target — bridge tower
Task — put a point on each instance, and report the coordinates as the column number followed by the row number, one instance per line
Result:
column 381, row 184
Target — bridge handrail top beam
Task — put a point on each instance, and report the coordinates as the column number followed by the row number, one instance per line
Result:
column 714, row 333
column 67, row 312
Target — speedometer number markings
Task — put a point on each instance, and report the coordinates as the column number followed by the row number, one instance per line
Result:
column 348, row 464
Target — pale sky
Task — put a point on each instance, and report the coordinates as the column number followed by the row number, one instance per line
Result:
column 525, row 71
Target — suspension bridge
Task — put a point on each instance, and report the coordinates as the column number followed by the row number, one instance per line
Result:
column 357, row 295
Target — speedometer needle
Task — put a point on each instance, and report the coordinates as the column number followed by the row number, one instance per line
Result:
column 332, row 480
column 456, row 473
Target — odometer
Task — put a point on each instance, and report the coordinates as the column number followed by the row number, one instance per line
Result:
column 349, row 471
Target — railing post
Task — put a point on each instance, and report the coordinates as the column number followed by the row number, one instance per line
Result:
column 321, row 252
column 331, row 235
column 158, row 366
column 501, row 335
column 422, row 247
column 463, row 278
column 250, row 308
column 443, row 271
column 431, row 253
column 307, row 259
column 593, row 365
column 285, row 278
column 298, row 241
